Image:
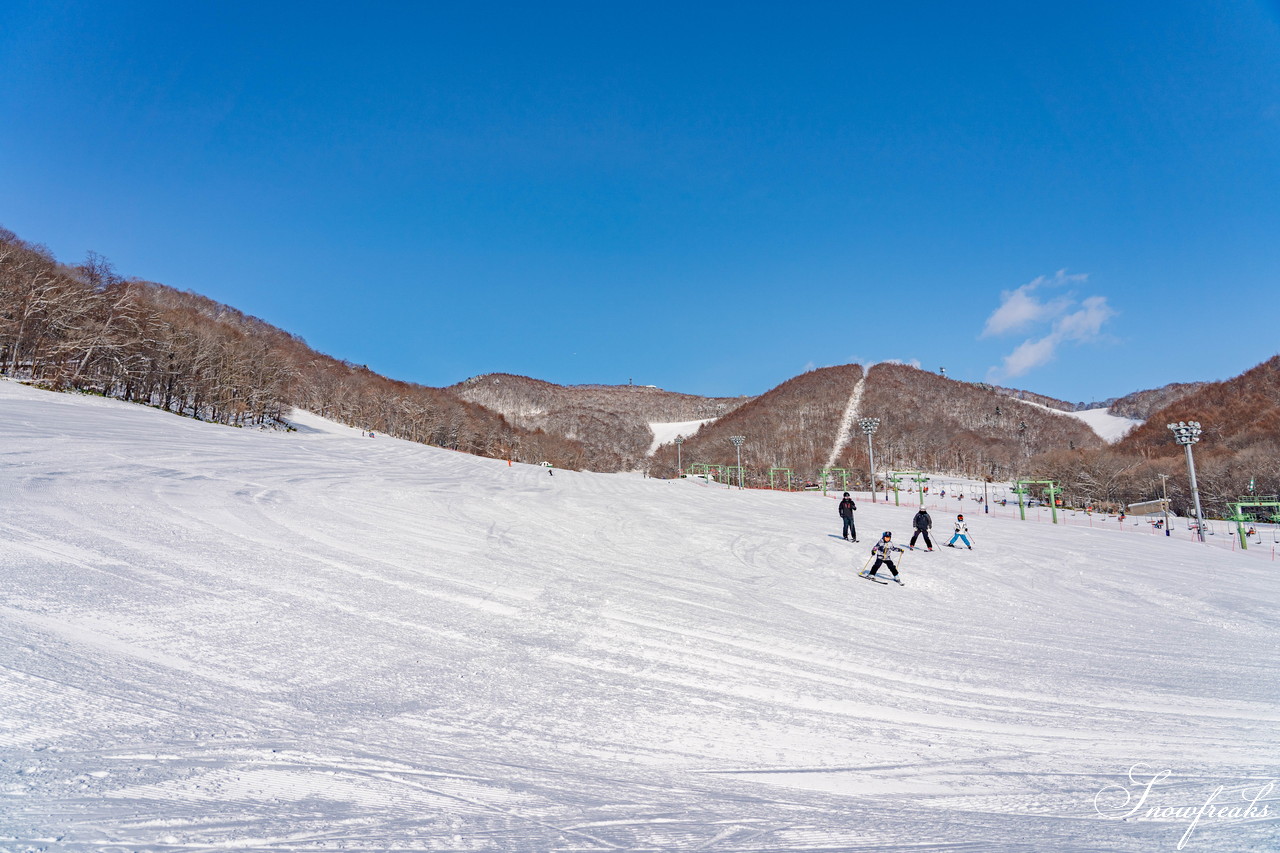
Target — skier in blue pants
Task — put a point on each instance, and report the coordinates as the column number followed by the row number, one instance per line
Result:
column 962, row 533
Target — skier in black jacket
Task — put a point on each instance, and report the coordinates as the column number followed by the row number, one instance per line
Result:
column 922, row 522
column 847, row 508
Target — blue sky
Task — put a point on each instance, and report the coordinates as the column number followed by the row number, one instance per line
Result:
column 1082, row 200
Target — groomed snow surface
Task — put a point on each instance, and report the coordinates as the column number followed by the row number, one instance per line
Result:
column 218, row 638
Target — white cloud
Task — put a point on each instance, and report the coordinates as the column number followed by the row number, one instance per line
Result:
column 1085, row 324
column 1072, row 323
column 1020, row 310
column 1029, row 355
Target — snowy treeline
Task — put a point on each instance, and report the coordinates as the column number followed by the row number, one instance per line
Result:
column 612, row 421
column 1042, row 399
column 359, row 397
column 86, row 328
column 1141, row 405
column 937, row 424
column 1115, row 477
column 1240, row 443
column 792, row 426
column 940, row 425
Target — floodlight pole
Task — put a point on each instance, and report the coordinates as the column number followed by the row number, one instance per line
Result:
column 679, row 462
column 1188, row 433
column 1164, row 489
column 737, row 445
column 869, row 426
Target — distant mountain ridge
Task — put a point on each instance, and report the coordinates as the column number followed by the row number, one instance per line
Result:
column 1241, row 415
column 85, row 328
column 1238, row 453
column 611, row 421
column 1141, row 405
column 927, row 422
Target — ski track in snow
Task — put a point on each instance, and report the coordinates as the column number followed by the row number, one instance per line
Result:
column 216, row 638
column 846, row 423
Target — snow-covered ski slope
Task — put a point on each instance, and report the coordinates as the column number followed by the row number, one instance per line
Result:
column 665, row 433
column 217, row 638
column 1108, row 426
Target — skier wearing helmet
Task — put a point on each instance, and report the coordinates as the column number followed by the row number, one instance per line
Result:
column 883, row 551
column 922, row 522
column 847, row 508
column 962, row 533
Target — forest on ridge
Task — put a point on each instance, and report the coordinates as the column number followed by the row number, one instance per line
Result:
column 84, row 327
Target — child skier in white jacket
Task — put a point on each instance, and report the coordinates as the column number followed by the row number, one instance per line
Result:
column 962, row 533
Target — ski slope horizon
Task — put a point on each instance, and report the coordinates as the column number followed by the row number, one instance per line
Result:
column 1105, row 424
column 220, row 637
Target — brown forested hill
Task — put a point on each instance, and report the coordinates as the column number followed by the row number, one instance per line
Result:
column 1033, row 397
column 85, row 328
column 611, row 421
column 792, row 426
column 1238, row 414
column 927, row 422
column 938, row 424
column 1240, row 446
column 1141, row 405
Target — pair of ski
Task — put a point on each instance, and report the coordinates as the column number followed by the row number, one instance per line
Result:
column 874, row 579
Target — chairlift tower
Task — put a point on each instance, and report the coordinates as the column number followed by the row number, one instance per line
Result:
column 920, row 479
column 829, row 475
column 917, row 477
column 1239, row 516
column 1051, row 491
